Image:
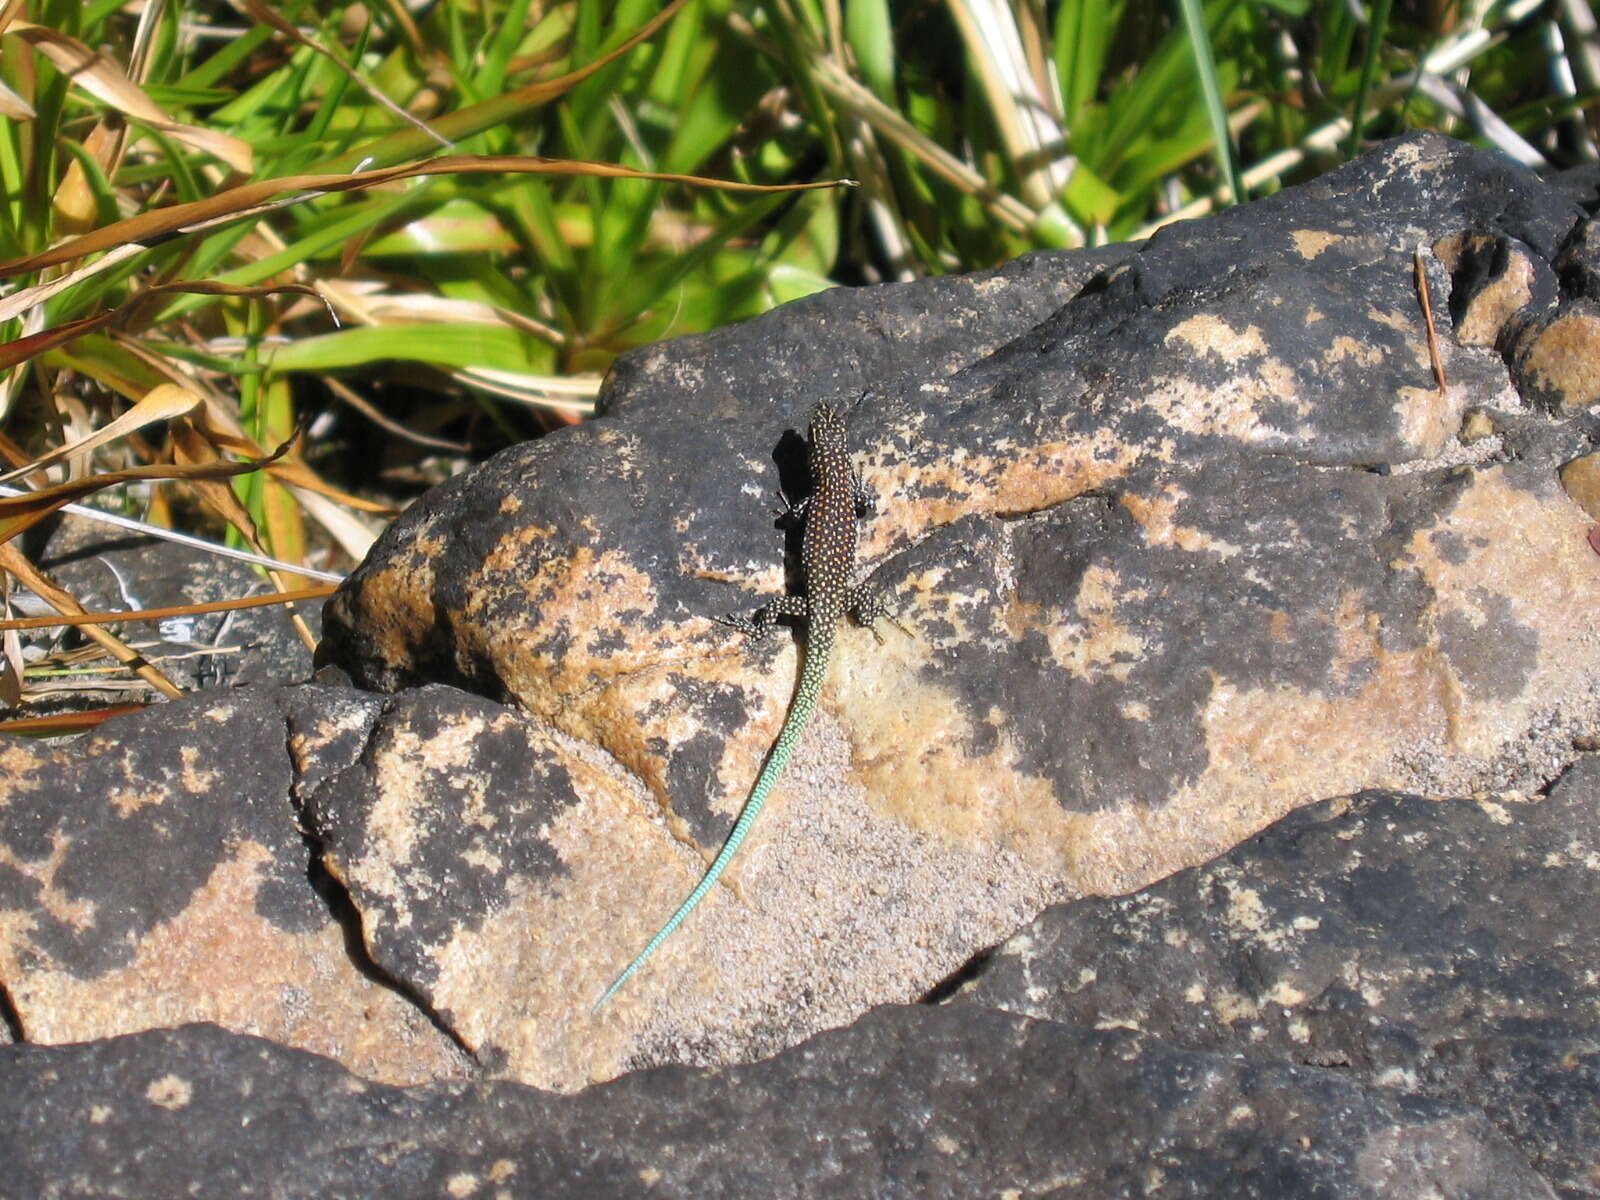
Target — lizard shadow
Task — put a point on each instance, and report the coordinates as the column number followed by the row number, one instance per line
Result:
column 791, row 458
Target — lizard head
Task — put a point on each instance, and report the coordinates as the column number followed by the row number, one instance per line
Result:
column 827, row 426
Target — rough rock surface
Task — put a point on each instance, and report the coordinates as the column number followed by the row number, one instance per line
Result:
column 151, row 874
column 1445, row 948
column 1206, row 543
column 1187, row 536
column 907, row 1103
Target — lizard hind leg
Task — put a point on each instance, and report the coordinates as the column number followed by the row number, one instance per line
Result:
column 868, row 607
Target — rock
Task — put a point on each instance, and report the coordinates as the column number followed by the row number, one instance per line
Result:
column 909, row 1102
column 1581, row 479
column 1493, row 279
column 459, row 832
column 1560, row 361
column 847, row 340
column 151, row 874
column 1204, row 544
column 1444, row 948
column 1186, row 537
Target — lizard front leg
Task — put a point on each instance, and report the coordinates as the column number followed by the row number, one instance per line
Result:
column 765, row 619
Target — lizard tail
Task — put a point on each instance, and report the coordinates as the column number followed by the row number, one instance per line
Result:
column 788, row 738
column 707, row 882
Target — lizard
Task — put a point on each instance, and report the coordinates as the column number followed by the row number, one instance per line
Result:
column 827, row 560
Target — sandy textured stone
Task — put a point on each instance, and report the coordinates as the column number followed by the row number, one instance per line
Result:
column 1581, row 479
column 1562, row 360
column 151, row 875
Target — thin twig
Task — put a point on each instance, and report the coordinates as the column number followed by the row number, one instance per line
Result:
column 184, row 539
column 1427, row 316
column 358, row 402
column 161, row 614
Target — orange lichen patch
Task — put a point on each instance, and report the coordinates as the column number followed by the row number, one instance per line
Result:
column 925, row 598
column 932, row 495
column 1545, row 581
column 1050, row 473
column 402, row 768
column 912, row 748
column 1312, row 242
column 570, row 600
column 1014, row 479
column 1548, row 577
column 1565, row 359
column 220, row 961
column 79, row 914
column 1155, row 516
column 1208, row 334
column 328, row 726
column 1270, row 750
column 1581, row 479
column 195, row 777
column 1279, row 626
column 1356, row 641
column 1413, row 723
column 393, row 605
column 516, row 549
column 128, row 801
column 22, row 767
column 643, row 717
column 760, row 577
column 1401, row 322
column 1451, row 249
column 220, row 713
column 1429, row 419
column 1097, row 643
column 1412, row 326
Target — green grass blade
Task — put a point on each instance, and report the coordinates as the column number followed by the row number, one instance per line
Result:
column 1377, row 31
column 1206, row 71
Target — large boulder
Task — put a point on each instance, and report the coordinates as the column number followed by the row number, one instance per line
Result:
column 1188, row 540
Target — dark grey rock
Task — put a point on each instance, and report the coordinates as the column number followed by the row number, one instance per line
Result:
column 1440, row 947
column 910, row 1102
column 1203, row 542
column 460, row 867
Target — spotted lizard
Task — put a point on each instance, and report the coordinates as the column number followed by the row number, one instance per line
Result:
column 827, row 557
